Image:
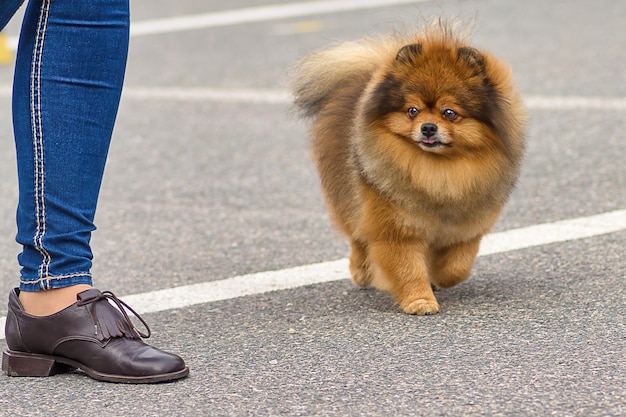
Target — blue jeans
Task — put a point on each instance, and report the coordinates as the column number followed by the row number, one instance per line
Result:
column 68, row 80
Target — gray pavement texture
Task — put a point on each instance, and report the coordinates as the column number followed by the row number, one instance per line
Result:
column 200, row 191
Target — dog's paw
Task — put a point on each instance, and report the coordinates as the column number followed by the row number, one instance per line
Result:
column 422, row 307
column 361, row 277
column 360, row 274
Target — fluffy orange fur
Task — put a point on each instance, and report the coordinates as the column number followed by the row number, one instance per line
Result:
column 418, row 141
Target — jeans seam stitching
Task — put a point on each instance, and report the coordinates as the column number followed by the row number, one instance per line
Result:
column 40, row 206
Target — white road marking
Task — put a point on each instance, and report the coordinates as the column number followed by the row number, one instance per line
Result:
column 247, row 15
column 574, row 102
column 256, row 14
column 547, row 233
column 280, row 96
column 230, row 95
column 263, row 282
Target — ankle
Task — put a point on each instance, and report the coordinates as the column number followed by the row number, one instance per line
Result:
column 45, row 303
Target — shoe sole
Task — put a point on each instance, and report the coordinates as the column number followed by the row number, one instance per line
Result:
column 35, row 365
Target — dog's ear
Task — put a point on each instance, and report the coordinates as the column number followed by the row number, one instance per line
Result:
column 472, row 57
column 409, row 52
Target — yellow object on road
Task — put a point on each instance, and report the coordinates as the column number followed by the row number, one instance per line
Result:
column 6, row 54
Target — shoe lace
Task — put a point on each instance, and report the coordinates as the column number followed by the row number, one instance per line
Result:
column 109, row 322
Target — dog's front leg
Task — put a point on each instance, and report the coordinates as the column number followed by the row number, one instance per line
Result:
column 452, row 265
column 401, row 268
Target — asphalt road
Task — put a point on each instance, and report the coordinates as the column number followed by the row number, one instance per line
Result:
column 200, row 188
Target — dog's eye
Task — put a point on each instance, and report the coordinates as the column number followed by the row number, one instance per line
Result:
column 449, row 114
column 412, row 112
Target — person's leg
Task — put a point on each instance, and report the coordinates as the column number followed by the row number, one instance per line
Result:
column 68, row 79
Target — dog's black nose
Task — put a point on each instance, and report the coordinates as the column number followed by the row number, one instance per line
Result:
column 429, row 129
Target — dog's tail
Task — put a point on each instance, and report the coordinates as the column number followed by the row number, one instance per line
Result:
column 318, row 76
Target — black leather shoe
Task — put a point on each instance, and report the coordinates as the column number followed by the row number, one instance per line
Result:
column 90, row 335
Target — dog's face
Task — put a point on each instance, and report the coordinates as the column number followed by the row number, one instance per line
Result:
column 431, row 127
column 438, row 99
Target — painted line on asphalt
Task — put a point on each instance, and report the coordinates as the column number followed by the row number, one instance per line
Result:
column 264, row 282
column 247, row 15
column 555, row 232
column 575, row 102
column 228, row 95
column 280, row 96
column 256, row 14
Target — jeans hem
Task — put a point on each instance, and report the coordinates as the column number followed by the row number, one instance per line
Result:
column 51, row 282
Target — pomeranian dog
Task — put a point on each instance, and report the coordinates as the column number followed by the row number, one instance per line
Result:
column 418, row 141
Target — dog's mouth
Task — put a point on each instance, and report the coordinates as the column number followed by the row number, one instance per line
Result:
column 432, row 144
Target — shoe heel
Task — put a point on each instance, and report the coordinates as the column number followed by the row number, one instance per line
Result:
column 25, row 364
